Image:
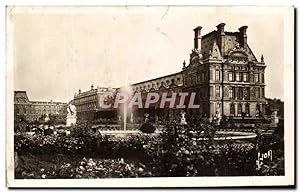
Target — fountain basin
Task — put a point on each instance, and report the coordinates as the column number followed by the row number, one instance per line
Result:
column 232, row 135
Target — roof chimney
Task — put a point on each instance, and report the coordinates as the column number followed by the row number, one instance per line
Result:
column 262, row 59
column 220, row 28
column 221, row 39
column 198, row 37
column 243, row 35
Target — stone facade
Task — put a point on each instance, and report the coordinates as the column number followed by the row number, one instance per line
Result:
column 34, row 110
column 88, row 105
column 223, row 72
column 226, row 74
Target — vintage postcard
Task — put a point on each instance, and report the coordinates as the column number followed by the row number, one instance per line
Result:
column 150, row 96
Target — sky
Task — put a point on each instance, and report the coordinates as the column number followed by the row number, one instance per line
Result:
column 58, row 50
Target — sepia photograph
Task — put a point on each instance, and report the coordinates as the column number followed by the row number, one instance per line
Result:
column 149, row 96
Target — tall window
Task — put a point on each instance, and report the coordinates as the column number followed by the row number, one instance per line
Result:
column 245, row 77
column 231, row 92
column 217, row 74
column 239, row 93
column 257, row 93
column 263, row 92
column 201, row 92
column 256, row 77
column 230, row 76
column 218, row 91
column 192, row 80
column 218, row 107
column 203, row 76
column 239, row 109
column 247, row 93
column 257, row 110
column 237, row 77
column 232, row 109
column 263, row 78
column 247, row 109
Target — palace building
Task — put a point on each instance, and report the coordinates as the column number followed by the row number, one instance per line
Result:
column 34, row 110
column 222, row 70
column 87, row 104
column 226, row 74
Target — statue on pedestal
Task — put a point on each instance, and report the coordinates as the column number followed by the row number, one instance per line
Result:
column 183, row 119
column 274, row 119
column 47, row 118
column 71, row 116
column 218, row 118
column 146, row 117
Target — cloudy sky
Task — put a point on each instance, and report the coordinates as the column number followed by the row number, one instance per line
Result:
column 57, row 50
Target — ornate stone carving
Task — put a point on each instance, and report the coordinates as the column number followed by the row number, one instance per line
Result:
column 195, row 57
column 239, row 56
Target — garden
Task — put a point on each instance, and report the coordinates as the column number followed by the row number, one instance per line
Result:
column 176, row 151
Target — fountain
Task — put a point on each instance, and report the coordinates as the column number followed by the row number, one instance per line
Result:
column 125, row 117
column 128, row 91
column 131, row 117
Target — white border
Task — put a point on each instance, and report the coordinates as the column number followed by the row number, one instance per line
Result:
column 288, row 179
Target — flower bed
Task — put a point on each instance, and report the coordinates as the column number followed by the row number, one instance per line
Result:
column 61, row 166
column 176, row 151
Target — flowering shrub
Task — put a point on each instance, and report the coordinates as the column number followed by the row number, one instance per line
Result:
column 182, row 151
column 43, row 167
column 178, row 150
column 51, row 144
column 105, row 146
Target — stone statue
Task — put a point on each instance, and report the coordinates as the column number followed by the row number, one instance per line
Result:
column 184, row 65
column 47, row 118
column 71, row 116
column 274, row 119
column 218, row 118
column 71, row 110
column 146, row 117
column 183, row 120
column 210, row 54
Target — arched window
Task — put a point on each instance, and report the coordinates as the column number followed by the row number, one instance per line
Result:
column 232, row 109
column 240, row 109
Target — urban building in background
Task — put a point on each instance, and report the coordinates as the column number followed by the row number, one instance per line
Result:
column 205, row 113
column 226, row 76
column 87, row 104
column 27, row 110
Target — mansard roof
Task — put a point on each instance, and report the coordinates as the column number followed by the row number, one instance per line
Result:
column 21, row 97
column 210, row 45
